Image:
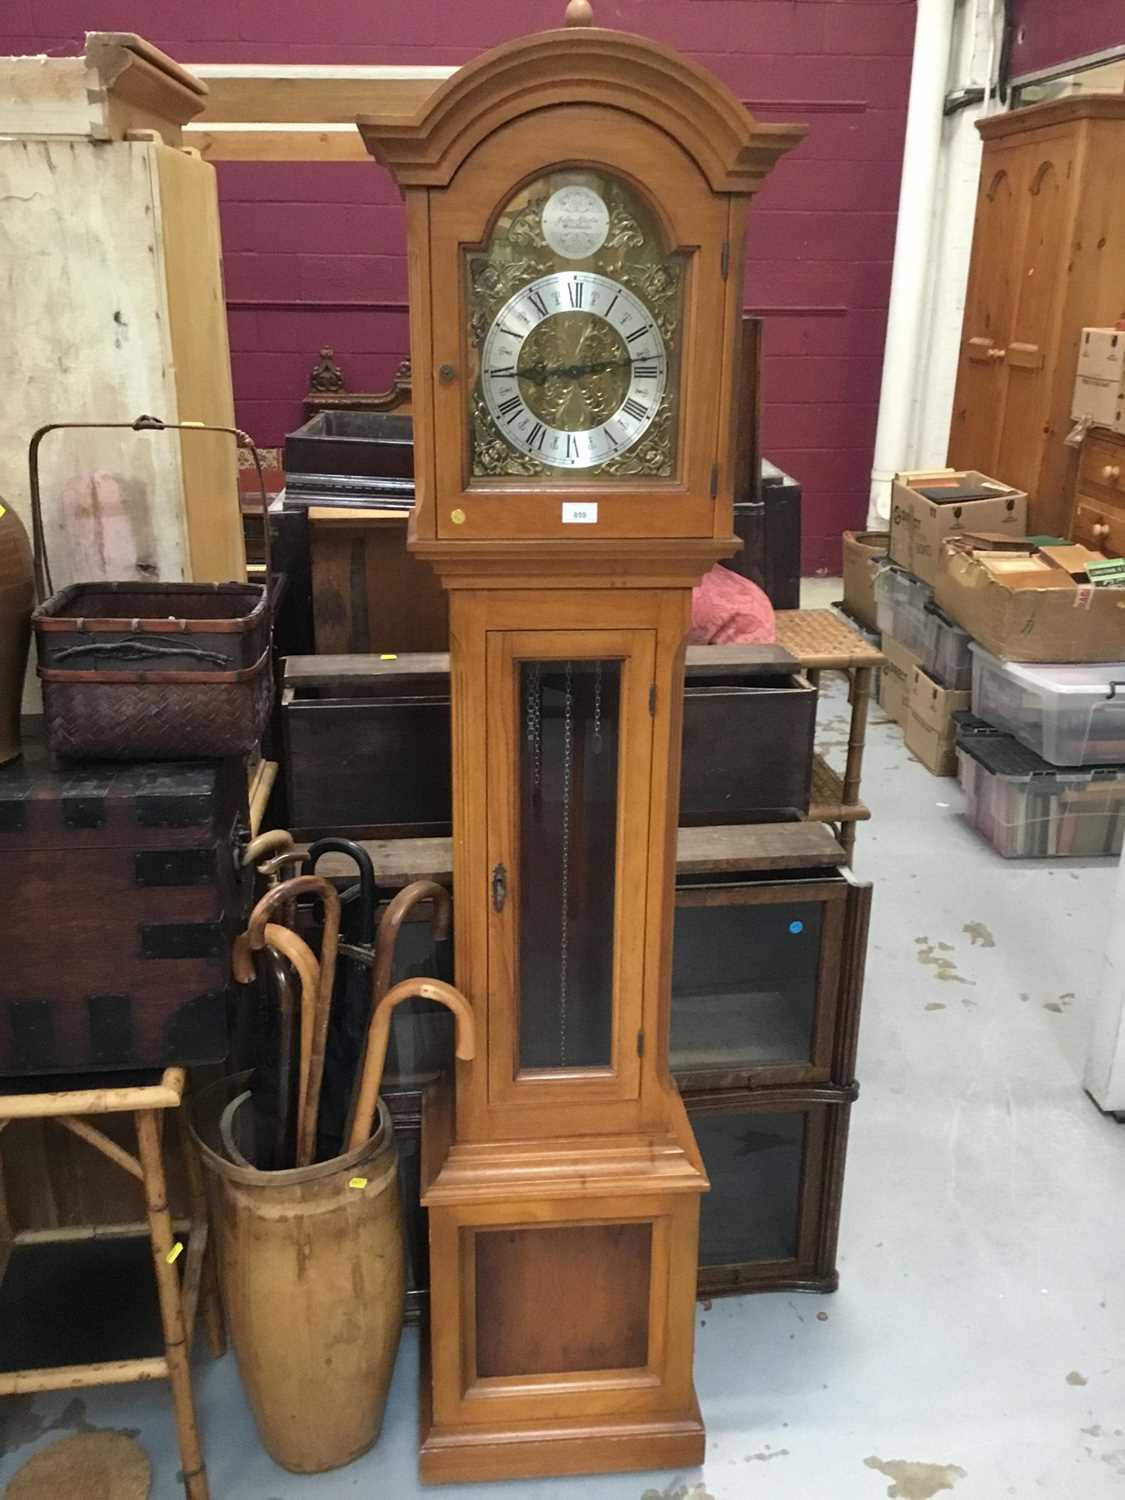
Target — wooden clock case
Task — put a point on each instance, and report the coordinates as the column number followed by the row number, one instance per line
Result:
column 564, row 1201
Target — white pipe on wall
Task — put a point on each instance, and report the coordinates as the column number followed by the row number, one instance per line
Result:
column 933, row 32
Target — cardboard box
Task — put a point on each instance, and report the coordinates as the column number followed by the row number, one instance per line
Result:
column 1095, row 401
column 894, row 680
column 864, row 553
column 1101, row 354
column 1099, row 383
column 1030, row 603
column 921, row 522
column 931, row 734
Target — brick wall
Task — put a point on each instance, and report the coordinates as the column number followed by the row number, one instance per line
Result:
column 315, row 253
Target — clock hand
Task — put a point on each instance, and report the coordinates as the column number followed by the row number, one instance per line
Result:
column 539, row 374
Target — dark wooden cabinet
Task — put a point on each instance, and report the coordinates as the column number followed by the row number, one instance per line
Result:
column 767, row 980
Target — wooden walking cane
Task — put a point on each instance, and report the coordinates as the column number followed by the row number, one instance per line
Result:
column 397, row 910
column 379, row 1035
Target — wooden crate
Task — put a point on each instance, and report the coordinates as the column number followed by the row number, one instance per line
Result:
column 367, row 742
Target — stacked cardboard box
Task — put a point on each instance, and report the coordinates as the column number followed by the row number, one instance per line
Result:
column 1099, row 386
column 926, row 678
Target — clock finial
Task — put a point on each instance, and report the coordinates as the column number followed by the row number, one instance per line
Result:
column 579, row 13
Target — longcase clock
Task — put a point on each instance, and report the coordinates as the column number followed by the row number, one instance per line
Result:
column 576, row 208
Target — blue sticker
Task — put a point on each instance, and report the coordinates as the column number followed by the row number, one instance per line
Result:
column 795, row 927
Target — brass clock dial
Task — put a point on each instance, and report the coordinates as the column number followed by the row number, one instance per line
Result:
column 573, row 369
column 575, row 313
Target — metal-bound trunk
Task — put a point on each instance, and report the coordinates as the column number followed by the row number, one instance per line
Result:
column 135, row 868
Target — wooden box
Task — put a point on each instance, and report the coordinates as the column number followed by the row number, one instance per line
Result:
column 349, row 456
column 367, row 742
column 776, row 1163
column 767, row 978
column 123, row 901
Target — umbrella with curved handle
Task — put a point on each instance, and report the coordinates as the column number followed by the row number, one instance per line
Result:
column 313, row 1070
column 379, row 1035
column 293, row 947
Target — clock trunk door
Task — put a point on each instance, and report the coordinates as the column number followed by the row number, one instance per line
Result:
column 569, row 785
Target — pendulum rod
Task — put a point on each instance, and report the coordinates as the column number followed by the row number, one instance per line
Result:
column 564, row 905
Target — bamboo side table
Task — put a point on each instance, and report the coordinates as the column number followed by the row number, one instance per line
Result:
column 178, row 1305
column 822, row 642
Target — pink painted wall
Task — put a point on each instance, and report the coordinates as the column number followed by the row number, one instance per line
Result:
column 1050, row 32
column 315, row 254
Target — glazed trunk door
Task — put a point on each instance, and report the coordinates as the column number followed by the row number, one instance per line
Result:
column 569, row 784
column 978, row 407
column 1048, row 191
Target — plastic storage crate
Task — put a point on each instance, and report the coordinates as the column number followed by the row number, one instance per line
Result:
column 900, row 607
column 1070, row 715
column 946, row 656
column 1027, row 809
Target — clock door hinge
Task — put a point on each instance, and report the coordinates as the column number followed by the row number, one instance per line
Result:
column 714, row 480
column 652, row 700
column 640, row 1044
column 724, row 259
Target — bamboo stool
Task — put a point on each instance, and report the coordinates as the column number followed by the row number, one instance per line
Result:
column 147, row 1103
column 821, row 641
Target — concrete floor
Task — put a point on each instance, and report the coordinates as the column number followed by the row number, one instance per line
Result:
column 977, row 1343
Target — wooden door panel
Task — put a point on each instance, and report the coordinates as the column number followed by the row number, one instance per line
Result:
column 1027, row 400
column 979, row 400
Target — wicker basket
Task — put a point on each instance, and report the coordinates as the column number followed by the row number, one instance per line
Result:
column 151, row 671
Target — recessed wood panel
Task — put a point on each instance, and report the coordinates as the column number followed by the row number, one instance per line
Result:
column 558, row 1300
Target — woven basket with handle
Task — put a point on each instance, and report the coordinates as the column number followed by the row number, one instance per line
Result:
column 151, row 671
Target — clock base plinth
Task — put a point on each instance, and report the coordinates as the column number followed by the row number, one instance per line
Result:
column 562, row 1301
column 459, row 1455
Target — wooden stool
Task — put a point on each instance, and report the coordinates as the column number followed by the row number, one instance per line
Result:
column 147, row 1103
column 821, row 641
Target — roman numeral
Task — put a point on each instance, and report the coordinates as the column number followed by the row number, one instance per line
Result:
column 512, row 334
column 502, row 372
column 510, row 408
column 637, row 333
column 571, row 446
column 640, row 372
column 575, row 289
column 635, row 409
column 536, row 300
column 613, row 304
column 536, row 435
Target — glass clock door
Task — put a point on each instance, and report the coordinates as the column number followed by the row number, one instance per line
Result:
column 570, row 748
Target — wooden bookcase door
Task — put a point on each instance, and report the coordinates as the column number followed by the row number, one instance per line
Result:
column 758, row 982
column 569, row 784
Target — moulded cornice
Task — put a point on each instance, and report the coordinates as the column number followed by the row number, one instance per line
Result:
column 587, row 65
